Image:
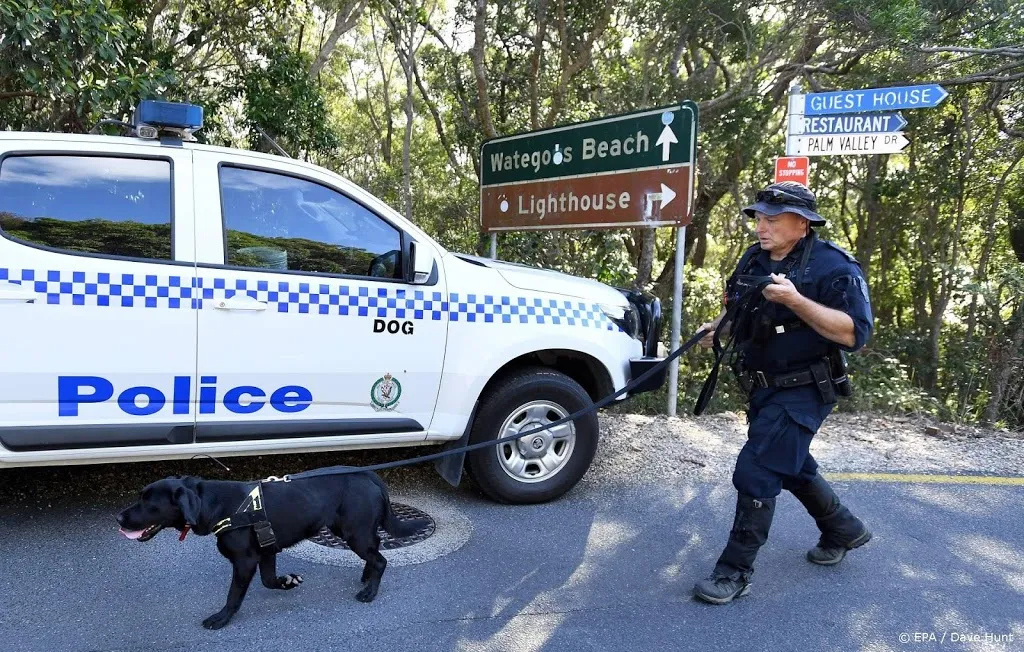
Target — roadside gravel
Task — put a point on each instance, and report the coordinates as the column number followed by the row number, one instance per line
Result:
column 633, row 449
column 652, row 448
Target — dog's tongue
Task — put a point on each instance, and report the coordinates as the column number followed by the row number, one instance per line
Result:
column 132, row 534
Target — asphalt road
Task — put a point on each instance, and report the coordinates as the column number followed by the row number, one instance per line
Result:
column 604, row 568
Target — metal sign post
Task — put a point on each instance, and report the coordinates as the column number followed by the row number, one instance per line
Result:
column 629, row 170
column 677, row 311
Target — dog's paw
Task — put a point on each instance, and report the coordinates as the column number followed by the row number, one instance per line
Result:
column 289, row 581
column 217, row 620
column 367, row 594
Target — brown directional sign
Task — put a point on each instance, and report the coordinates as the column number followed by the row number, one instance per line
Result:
column 628, row 170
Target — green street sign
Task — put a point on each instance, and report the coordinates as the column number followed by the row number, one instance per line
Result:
column 633, row 169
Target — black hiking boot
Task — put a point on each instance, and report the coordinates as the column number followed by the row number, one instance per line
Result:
column 731, row 576
column 840, row 529
column 717, row 589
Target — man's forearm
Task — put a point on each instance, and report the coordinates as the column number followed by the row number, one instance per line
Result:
column 831, row 324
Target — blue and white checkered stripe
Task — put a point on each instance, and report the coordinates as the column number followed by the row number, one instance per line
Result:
column 325, row 299
column 520, row 310
column 104, row 289
column 184, row 291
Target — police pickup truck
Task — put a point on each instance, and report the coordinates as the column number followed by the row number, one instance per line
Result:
column 162, row 299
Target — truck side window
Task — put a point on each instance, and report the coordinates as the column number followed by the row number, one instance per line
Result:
column 275, row 221
column 92, row 204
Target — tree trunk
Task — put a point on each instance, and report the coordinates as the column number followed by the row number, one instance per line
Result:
column 570, row 66
column 1004, row 366
column 981, row 273
column 947, row 279
column 868, row 230
column 645, row 265
column 535, row 62
column 483, row 100
column 407, row 142
column 348, row 14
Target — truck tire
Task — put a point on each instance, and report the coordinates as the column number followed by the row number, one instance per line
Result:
column 538, row 468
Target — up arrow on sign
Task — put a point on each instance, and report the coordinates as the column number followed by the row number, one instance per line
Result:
column 666, row 139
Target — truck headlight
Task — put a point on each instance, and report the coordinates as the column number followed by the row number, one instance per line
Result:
column 625, row 317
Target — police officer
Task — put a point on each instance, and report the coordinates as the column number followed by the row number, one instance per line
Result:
column 789, row 357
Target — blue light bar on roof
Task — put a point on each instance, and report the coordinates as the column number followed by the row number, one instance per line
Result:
column 169, row 114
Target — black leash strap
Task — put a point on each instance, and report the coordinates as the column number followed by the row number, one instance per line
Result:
column 342, row 470
column 736, row 316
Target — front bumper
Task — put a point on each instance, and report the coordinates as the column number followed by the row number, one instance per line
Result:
column 639, row 366
column 648, row 308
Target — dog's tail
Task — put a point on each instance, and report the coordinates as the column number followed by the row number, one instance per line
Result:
column 395, row 526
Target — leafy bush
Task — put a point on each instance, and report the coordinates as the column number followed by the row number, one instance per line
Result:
column 882, row 383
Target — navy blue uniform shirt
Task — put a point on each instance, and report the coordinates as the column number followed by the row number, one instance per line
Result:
column 832, row 278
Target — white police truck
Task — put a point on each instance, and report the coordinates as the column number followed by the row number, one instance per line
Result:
column 163, row 299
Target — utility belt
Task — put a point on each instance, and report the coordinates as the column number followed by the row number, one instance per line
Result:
column 828, row 374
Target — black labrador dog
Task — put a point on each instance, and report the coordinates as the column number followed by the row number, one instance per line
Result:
column 352, row 506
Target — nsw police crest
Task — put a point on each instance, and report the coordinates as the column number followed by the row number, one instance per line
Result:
column 385, row 393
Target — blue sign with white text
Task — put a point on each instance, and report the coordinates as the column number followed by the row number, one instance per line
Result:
column 851, row 123
column 874, row 99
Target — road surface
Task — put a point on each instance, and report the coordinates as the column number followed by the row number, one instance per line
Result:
column 607, row 567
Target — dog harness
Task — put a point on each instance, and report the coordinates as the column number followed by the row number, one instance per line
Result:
column 251, row 513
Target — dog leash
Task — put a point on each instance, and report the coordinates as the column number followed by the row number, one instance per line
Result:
column 343, row 470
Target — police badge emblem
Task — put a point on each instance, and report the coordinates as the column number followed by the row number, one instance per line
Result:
column 385, row 393
column 863, row 285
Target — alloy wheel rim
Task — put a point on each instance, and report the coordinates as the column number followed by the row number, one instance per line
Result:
column 536, row 458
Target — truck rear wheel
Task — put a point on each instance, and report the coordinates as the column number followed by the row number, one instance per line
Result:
column 536, row 468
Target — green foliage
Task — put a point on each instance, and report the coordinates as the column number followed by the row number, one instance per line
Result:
column 883, row 383
column 131, row 239
column 64, row 64
column 248, row 250
column 281, row 99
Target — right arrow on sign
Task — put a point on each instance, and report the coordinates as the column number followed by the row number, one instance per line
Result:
column 846, row 144
column 666, row 139
column 667, row 195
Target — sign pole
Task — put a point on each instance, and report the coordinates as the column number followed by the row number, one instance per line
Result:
column 795, row 115
column 677, row 312
column 494, row 246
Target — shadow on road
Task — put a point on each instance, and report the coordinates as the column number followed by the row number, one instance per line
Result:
column 605, row 567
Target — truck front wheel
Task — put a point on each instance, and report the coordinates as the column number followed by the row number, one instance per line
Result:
column 540, row 467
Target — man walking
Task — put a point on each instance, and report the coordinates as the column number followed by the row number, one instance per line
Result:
column 789, row 358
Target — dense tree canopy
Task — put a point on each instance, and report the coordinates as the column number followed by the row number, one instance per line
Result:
column 399, row 94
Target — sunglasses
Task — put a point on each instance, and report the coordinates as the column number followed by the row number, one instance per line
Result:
column 776, row 196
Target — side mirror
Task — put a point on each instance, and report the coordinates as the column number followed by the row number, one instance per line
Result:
column 422, row 265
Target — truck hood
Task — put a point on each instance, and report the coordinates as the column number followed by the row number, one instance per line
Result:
column 550, row 281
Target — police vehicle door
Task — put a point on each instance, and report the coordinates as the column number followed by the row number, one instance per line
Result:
column 96, row 271
column 306, row 328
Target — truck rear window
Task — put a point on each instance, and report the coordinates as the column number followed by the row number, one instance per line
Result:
column 94, row 204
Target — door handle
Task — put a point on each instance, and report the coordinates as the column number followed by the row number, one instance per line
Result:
column 14, row 292
column 239, row 303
